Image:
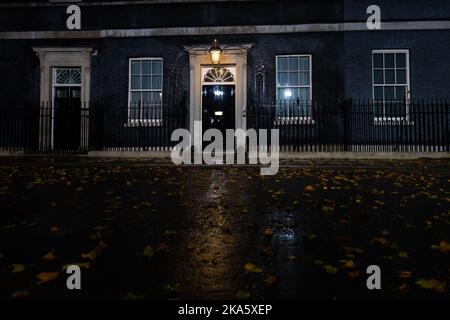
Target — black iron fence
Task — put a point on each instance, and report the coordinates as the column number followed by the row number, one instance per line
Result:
column 417, row 125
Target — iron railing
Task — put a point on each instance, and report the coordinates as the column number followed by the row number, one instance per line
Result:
column 418, row 125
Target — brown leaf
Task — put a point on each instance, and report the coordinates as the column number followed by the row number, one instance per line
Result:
column 45, row 277
column 20, row 294
column 270, row 280
column 50, row 256
column 405, row 274
column 250, row 267
column 354, row 274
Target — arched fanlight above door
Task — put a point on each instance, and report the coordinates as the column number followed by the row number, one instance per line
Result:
column 218, row 75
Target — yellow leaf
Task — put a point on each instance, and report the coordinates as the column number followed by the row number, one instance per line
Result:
column 250, row 267
column 403, row 254
column 443, row 246
column 17, row 267
column 46, row 277
column 132, row 296
column 148, row 251
column 50, row 256
column 242, row 295
column 330, row 269
column 431, row 284
column 268, row 232
column 20, row 294
column 347, row 263
column 309, row 188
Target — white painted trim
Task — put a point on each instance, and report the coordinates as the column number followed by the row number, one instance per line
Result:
column 144, row 90
column 198, row 31
column 408, row 80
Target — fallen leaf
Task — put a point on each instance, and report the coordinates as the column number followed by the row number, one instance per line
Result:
column 242, row 295
column 432, row 284
column 162, row 247
column 347, row 263
column 270, row 280
column 443, row 246
column 46, row 277
column 330, row 269
column 268, row 232
column 148, row 251
column 292, row 258
column 405, row 274
column 250, row 267
column 354, row 274
column 17, row 267
column 382, row 241
column 91, row 255
column 309, row 188
column 403, row 254
column 85, row 265
column 404, row 288
column 20, row 294
column 50, row 256
column 132, row 296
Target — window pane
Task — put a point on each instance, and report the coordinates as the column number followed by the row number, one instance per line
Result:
column 135, row 67
column 146, row 82
column 304, row 78
column 135, row 105
column 378, row 60
column 293, row 63
column 389, row 77
column 287, row 93
column 282, row 64
column 156, row 97
column 304, row 94
column 401, row 76
column 378, row 77
column 135, row 82
column 389, row 93
column 146, row 98
column 146, row 67
column 389, row 60
column 282, row 79
column 156, row 82
column 400, row 93
column 401, row 60
column 378, row 94
column 304, row 63
column 293, row 79
column 157, row 67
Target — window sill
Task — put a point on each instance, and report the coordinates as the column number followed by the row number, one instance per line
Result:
column 294, row 120
column 392, row 121
column 143, row 123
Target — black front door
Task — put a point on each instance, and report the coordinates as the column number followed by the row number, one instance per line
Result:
column 67, row 119
column 218, row 104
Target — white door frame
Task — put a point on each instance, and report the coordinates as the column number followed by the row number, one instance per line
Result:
column 234, row 55
column 51, row 57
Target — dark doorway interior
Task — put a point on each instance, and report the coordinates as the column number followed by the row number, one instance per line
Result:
column 67, row 118
column 218, row 107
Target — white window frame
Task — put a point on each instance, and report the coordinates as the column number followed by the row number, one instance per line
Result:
column 148, row 121
column 307, row 119
column 384, row 119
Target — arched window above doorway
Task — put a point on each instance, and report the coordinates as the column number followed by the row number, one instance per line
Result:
column 218, row 75
column 67, row 76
